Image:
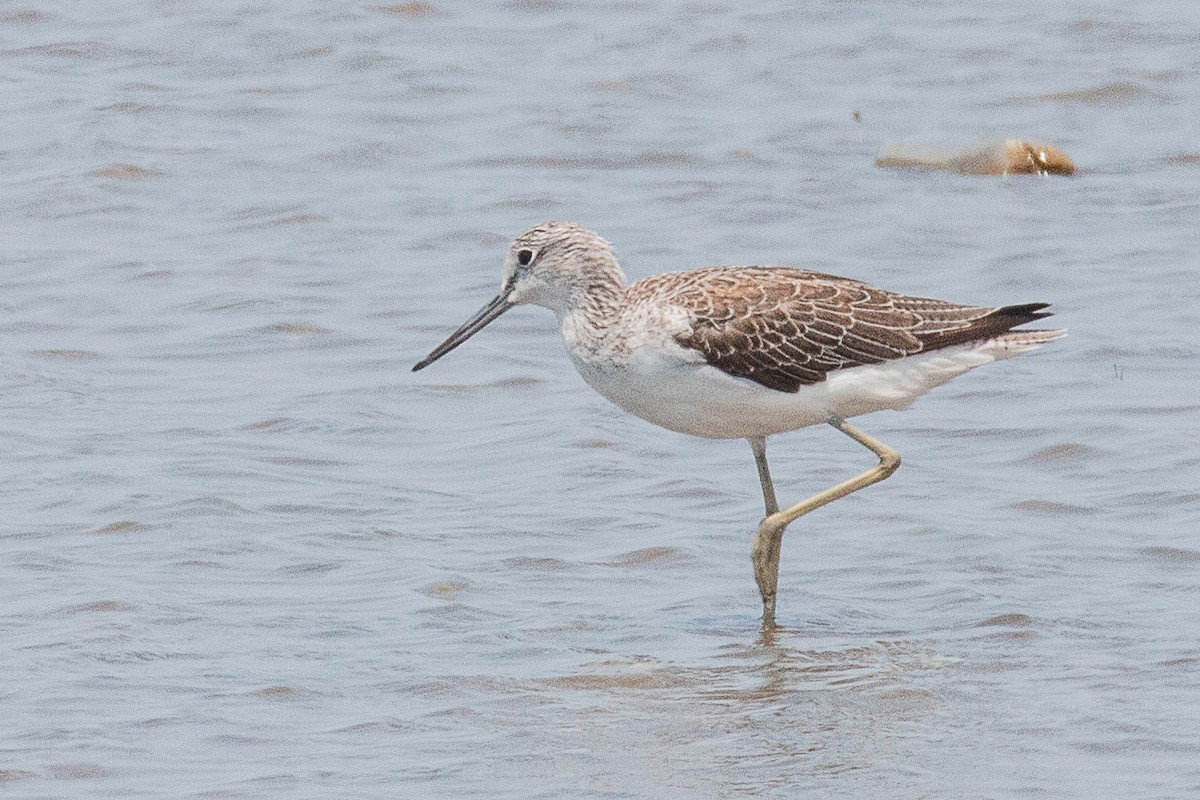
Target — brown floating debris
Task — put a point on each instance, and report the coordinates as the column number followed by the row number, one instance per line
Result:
column 1009, row 157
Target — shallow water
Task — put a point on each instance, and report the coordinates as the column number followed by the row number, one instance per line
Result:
column 247, row 553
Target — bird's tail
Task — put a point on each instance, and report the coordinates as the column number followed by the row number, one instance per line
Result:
column 1016, row 342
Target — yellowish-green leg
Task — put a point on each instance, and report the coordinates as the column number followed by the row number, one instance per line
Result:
column 769, row 540
column 759, row 445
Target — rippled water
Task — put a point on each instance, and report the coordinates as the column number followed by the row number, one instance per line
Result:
column 246, row 553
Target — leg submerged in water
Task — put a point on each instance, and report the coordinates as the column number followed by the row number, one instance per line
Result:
column 769, row 539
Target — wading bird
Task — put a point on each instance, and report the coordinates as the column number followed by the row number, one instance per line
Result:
column 745, row 352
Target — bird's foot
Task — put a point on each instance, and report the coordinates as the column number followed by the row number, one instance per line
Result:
column 765, row 554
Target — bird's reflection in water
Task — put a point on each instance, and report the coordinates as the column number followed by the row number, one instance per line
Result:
column 784, row 711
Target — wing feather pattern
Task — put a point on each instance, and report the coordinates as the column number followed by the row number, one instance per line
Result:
column 787, row 328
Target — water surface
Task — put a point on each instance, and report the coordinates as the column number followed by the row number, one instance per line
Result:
column 246, row 553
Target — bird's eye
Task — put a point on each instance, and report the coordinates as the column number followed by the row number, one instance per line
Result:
column 524, row 257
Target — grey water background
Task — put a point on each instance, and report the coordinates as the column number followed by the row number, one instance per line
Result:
column 246, row 553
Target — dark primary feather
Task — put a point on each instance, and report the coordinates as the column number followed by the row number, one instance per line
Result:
column 787, row 328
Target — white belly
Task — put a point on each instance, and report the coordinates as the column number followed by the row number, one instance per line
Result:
column 676, row 389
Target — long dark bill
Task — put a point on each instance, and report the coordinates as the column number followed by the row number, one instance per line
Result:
column 469, row 328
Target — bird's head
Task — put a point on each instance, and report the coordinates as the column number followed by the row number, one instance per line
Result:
column 555, row 265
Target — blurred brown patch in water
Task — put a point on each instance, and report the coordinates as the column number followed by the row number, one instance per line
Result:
column 1009, row 157
column 280, row 693
column 7, row 775
column 77, row 772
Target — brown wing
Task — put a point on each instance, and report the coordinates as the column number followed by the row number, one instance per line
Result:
column 787, row 328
